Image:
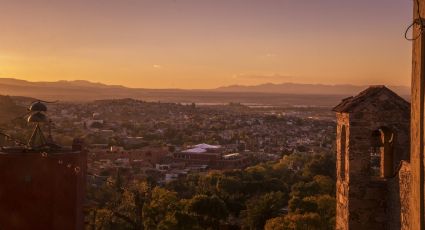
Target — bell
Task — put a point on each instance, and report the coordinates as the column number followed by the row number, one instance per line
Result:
column 37, row 107
column 376, row 140
column 37, row 117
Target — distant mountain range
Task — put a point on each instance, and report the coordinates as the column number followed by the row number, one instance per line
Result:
column 306, row 89
column 286, row 93
column 56, row 84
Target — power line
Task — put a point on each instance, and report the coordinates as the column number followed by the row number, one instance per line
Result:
column 417, row 21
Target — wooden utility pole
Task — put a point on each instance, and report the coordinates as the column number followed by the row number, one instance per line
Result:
column 417, row 120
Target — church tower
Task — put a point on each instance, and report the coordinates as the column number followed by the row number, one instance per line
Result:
column 372, row 142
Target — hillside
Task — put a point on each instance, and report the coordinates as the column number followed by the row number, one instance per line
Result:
column 266, row 94
column 9, row 109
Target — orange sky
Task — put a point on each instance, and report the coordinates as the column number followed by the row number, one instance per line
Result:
column 206, row 43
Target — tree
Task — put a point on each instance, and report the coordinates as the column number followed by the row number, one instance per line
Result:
column 207, row 185
column 307, row 205
column 277, row 223
column 260, row 209
column 228, row 186
column 307, row 221
column 326, row 208
column 323, row 164
column 302, row 189
column 325, row 184
column 118, row 208
column 322, row 205
column 210, row 210
column 161, row 203
column 257, row 196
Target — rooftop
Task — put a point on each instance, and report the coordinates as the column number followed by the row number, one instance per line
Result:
column 201, row 148
column 207, row 146
column 351, row 103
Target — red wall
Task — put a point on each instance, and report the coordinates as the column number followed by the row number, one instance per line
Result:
column 38, row 192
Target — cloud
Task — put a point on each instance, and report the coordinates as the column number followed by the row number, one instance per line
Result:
column 267, row 56
column 263, row 77
column 157, row 66
column 270, row 55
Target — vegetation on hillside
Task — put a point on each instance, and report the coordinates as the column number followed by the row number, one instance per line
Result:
column 295, row 193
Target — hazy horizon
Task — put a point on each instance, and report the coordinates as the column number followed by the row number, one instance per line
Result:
column 223, row 86
column 204, row 44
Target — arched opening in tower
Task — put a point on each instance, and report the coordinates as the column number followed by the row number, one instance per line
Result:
column 343, row 152
column 382, row 153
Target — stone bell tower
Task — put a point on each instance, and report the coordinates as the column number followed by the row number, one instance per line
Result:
column 372, row 141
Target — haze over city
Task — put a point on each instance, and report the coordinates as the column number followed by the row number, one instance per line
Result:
column 206, row 44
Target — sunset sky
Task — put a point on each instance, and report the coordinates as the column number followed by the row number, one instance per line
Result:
column 206, row 43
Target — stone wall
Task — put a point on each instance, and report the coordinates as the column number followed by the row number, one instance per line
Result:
column 405, row 179
column 367, row 205
column 342, row 181
column 398, row 199
column 364, row 201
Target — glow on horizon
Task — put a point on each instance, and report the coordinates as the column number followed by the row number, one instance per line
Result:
column 206, row 43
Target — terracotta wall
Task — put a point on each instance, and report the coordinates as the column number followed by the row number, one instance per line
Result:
column 40, row 191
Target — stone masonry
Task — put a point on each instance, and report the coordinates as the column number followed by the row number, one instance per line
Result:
column 374, row 123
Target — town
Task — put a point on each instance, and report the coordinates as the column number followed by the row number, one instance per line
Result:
column 130, row 142
column 165, row 141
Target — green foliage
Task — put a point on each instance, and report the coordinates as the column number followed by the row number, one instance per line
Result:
column 308, row 221
column 303, row 189
column 229, row 186
column 211, row 207
column 295, row 193
column 326, row 208
column 260, row 209
column 161, row 204
column 209, row 210
column 277, row 223
column 325, row 184
column 323, row 164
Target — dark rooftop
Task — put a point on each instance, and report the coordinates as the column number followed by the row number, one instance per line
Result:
column 350, row 103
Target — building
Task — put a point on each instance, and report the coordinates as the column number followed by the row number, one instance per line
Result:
column 151, row 155
column 212, row 156
column 43, row 184
column 373, row 168
column 42, row 190
column 200, row 154
column 407, row 210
